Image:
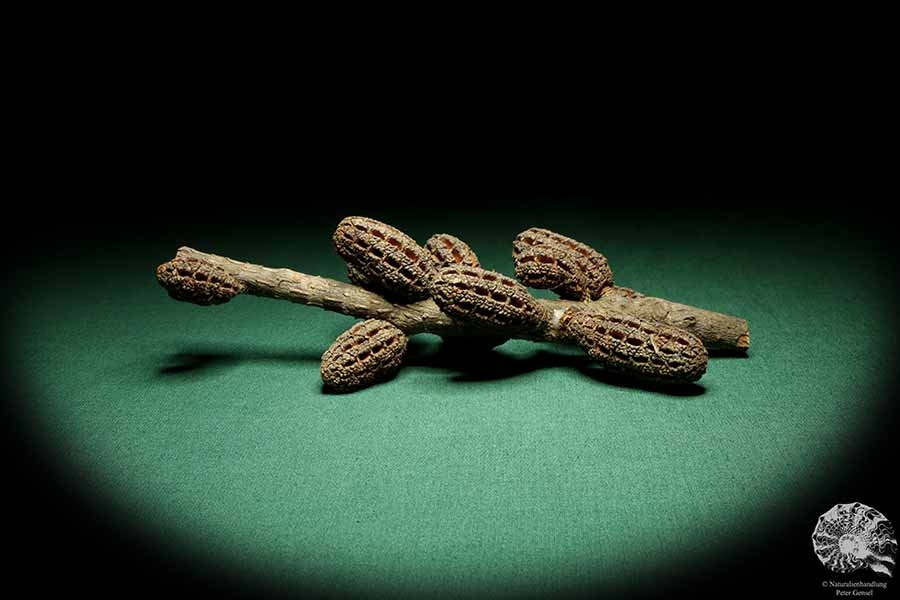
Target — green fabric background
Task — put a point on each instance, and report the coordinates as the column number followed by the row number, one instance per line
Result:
column 522, row 471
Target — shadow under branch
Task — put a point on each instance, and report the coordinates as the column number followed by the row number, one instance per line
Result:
column 461, row 365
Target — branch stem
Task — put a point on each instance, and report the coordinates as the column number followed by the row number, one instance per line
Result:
column 718, row 331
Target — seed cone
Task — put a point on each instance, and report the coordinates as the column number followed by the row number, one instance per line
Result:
column 487, row 298
column 369, row 351
column 448, row 250
column 384, row 259
column 630, row 345
column 190, row 280
column 549, row 261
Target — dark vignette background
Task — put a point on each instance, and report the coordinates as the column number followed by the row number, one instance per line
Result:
column 64, row 540
column 125, row 134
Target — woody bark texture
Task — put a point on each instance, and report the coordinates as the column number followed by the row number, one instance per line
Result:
column 718, row 332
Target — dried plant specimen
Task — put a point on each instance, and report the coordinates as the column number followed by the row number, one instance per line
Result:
column 404, row 289
column 487, row 298
column 385, row 257
column 448, row 250
column 369, row 351
column 548, row 260
column 198, row 282
column 636, row 347
column 363, row 281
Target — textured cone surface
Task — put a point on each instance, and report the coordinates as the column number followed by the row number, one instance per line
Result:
column 548, row 260
column 359, row 278
column 369, row 351
column 389, row 261
column 549, row 268
column 448, row 250
column 630, row 345
column 487, row 298
column 190, row 280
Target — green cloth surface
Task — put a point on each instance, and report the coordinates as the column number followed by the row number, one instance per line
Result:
column 521, row 471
